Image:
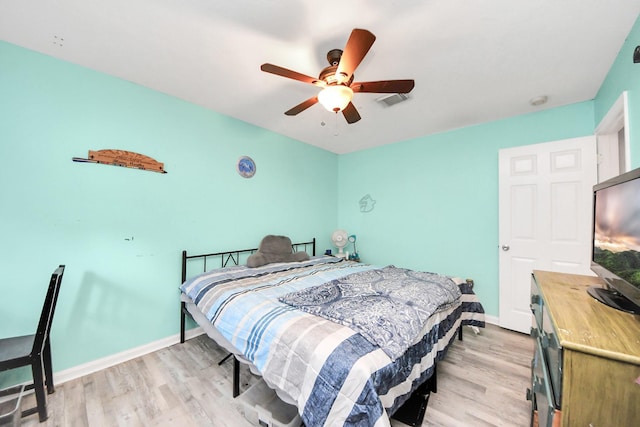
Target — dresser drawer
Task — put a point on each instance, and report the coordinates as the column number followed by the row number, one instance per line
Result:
column 536, row 304
column 553, row 356
column 541, row 391
column 547, row 341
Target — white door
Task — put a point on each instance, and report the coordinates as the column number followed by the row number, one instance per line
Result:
column 545, row 196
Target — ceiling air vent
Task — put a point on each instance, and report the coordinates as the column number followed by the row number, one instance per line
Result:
column 389, row 100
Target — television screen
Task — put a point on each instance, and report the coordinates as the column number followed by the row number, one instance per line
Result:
column 616, row 234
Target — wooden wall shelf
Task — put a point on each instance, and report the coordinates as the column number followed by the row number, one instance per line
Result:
column 123, row 158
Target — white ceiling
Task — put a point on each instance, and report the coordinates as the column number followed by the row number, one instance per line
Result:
column 473, row 61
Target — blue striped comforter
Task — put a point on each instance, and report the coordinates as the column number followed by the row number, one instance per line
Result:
column 335, row 375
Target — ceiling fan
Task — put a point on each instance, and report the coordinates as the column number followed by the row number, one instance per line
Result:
column 336, row 80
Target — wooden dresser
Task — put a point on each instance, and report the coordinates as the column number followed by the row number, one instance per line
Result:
column 586, row 365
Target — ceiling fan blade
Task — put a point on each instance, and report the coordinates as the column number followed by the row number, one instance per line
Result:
column 359, row 43
column 284, row 72
column 302, row 106
column 384, row 86
column 350, row 113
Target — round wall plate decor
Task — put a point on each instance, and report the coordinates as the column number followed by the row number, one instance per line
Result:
column 246, row 167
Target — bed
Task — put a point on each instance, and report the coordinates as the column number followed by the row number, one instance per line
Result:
column 333, row 373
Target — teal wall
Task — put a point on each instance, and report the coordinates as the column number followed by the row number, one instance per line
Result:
column 121, row 231
column 437, row 196
column 624, row 75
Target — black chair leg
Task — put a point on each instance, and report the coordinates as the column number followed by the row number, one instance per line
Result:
column 48, row 368
column 38, row 387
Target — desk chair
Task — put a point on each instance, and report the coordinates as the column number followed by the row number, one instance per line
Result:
column 35, row 350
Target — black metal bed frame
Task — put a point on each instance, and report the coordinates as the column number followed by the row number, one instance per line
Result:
column 227, row 258
column 411, row 413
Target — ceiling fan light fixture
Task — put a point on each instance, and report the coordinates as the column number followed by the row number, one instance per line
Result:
column 335, row 98
column 337, row 80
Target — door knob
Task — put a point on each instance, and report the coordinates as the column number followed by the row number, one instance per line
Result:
column 505, row 247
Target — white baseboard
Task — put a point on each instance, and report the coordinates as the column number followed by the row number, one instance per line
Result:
column 492, row 320
column 114, row 359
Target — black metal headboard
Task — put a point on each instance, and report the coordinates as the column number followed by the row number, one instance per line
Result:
column 233, row 257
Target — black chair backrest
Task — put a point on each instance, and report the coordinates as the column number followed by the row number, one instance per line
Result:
column 46, row 317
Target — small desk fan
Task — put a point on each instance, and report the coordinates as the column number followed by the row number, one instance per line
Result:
column 339, row 239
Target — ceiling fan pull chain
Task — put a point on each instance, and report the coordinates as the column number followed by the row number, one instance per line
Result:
column 335, row 133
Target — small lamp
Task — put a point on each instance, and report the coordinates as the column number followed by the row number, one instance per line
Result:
column 336, row 97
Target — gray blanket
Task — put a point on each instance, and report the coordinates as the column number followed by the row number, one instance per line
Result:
column 388, row 306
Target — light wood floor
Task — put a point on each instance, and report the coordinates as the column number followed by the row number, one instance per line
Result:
column 482, row 382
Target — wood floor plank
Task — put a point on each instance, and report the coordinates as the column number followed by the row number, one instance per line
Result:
column 101, row 395
column 481, row 383
column 75, row 412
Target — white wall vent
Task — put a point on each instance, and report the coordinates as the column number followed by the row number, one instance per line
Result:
column 393, row 99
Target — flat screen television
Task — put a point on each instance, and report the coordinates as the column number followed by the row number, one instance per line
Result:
column 615, row 255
